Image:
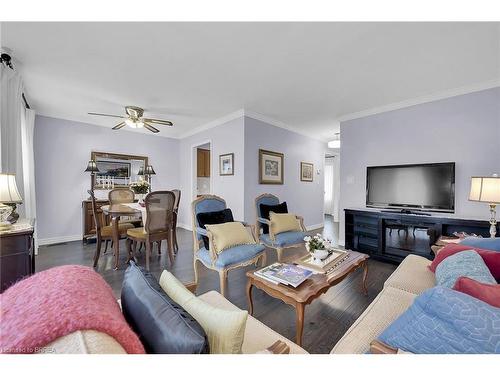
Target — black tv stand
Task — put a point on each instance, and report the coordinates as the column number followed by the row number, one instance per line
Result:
column 408, row 212
column 391, row 235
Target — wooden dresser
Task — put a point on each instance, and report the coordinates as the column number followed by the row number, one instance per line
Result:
column 17, row 257
column 88, row 217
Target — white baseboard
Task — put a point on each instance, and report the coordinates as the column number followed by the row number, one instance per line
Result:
column 54, row 240
column 315, row 226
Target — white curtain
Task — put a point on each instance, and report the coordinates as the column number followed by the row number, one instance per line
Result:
column 11, row 114
column 16, row 140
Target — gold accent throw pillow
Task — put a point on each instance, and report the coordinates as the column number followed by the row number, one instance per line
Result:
column 225, row 329
column 284, row 223
column 230, row 234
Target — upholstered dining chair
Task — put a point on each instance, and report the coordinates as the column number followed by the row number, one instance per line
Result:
column 229, row 259
column 281, row 241
column 177, row 194
column 104, row 232
column 123, row 195
column 157, row 227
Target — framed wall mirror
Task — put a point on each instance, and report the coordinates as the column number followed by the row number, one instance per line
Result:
column 117, row 170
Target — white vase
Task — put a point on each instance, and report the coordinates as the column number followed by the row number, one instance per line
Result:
column 140, row 197
column 319, row 256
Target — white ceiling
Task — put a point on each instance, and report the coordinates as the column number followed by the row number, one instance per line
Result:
column 305, row 75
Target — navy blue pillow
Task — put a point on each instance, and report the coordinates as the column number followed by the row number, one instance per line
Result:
column 266, row 209
column 482, row 243
column 444, row 321
column 162, row 325
column 214, row 217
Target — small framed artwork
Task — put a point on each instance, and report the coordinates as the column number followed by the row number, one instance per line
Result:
column 306, row 171
column 271, row 167
column 226, row 164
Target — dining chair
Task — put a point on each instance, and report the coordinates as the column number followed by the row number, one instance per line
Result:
column 121, row 195
column 158, row 225
column 279, row 241
column 177, row 194
column 104, row 232
column 229, row 259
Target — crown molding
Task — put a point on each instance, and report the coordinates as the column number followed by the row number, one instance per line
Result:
column 421, row 100
column 212, row 124
column 279, row 124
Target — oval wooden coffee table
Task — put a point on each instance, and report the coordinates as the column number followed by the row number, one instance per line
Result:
column 310, row 289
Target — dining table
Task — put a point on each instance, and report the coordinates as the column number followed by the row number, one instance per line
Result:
column 115, row 212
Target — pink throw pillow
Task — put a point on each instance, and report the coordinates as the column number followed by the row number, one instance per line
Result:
column 491, row 258
column 485, row 292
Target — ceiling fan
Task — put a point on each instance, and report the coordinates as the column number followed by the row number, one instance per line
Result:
column 135, row 120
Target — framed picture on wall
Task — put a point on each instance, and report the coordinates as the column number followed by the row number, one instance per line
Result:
column 226, row 164
column 306, row 171
column 271, row 167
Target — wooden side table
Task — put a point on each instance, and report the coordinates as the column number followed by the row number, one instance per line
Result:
column 310, row 289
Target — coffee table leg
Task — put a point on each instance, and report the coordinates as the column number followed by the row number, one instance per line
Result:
column 365, row 274
column 299, row 310
column 116, row 239
column 249, row 297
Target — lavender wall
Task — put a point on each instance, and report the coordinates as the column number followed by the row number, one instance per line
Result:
column 62, row 149
column 225, row 138
column 303, row 198
column 464, row 129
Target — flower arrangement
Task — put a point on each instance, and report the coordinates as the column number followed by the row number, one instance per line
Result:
column 140, row 187
column 317, row 242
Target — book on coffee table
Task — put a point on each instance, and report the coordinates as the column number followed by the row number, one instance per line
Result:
column 288, row 274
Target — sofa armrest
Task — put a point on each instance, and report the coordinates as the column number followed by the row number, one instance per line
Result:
column 378, row 347
column 279, row 347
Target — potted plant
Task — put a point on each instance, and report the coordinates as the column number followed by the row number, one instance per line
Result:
column 140, row 188
column 318, row 246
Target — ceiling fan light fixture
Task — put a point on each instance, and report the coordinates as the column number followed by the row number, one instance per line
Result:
column 134, row 124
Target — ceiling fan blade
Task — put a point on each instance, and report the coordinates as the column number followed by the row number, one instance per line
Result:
column 158, row 122
column 151, row 128
column 104, row 114
column 119, row 126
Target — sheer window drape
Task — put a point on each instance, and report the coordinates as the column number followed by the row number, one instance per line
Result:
column 16, row 140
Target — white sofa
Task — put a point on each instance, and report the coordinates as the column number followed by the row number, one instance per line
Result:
column 258, row 337
column 411, row 278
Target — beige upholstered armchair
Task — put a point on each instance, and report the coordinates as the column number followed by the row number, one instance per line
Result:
column 280, row 241
column 232, row 258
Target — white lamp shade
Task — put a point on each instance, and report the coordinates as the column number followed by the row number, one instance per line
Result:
column 485, row 189
column 8, row 189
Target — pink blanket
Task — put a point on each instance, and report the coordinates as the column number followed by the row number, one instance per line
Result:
column 59, row 301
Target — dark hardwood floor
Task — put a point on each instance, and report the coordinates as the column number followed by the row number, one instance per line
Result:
column 326, row 319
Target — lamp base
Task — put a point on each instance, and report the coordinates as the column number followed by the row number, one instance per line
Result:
column 493, row 221
column 14, row 216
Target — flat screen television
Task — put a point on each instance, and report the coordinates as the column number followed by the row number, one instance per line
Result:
column 423, row 187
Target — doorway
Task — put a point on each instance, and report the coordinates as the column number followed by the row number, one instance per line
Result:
column 202, row 163
column 332, row 186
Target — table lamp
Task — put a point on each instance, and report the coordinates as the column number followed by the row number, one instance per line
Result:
column 148, row 173
column 487, row 190
column 9, row 198
column 92, row 168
